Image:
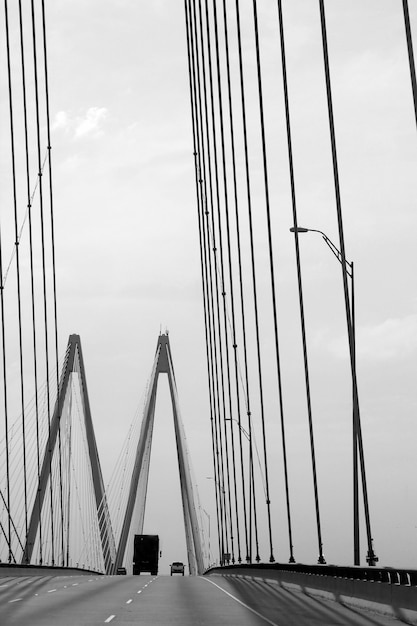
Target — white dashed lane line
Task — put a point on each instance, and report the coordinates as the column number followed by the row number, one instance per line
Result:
column 109, row 619
column 51, row 590
column 15, row 600
column 129, row 601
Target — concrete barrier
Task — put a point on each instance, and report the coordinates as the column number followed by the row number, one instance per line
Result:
column 15, row 569
column 384, row 598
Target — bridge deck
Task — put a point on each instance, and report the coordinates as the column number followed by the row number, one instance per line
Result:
column 164, row 600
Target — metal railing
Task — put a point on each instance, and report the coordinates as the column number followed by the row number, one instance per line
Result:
column 390, row 575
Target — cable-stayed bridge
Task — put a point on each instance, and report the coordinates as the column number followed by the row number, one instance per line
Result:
column 268, row 537
column 68, row 511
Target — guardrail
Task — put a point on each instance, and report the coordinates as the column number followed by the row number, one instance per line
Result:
column 385, row 590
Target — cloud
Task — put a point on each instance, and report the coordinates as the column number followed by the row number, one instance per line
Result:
column 392, row 339
column 91, row 123
column 61, row 121
column 88, row 124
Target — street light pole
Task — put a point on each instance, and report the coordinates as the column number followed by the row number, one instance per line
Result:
column 372, row 559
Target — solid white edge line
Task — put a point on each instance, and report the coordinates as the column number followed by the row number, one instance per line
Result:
column 268, row 621
column 109, row 619
column 16, row 600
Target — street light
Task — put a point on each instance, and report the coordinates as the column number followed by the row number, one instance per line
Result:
column 357, row 433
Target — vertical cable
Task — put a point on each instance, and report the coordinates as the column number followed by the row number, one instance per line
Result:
column 48, row 131
column 222, row 262
column 300, row 289
column 271, row 260
column 410, row 55
column 194, row 76
column 45, row 308
column 35, row 374
column 217, row 245
column 234, row 339
column 202, row 179
column 253, row 272
column 32, row 284
column 25, row 121
column 372, row 559
column 3, row 321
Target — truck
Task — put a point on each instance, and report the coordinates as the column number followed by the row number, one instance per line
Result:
column 146, row 554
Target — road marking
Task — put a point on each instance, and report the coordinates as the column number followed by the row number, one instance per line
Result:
column 74, row 584
column 51, row 590
column 265, row 619
column 129, row 601
column 109, row 619
column 140, row 591
column 16, row 600
column 4, row 585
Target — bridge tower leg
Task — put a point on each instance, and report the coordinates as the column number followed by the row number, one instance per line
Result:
column 73, row 363
column 140, row 474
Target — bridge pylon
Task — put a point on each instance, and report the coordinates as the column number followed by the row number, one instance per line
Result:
column 139, row 481
column 73, row 363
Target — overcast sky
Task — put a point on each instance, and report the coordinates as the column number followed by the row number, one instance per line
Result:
column 128, row 256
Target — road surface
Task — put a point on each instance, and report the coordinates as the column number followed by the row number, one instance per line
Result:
column 166, row 601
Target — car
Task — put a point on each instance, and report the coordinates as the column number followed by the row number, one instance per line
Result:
column 121, row 570
column 177, row 568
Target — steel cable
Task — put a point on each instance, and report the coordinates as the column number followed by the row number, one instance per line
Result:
column 410, row 55
column 53, row 255
column 43, row 249
column 372, row 559
column 271, row 264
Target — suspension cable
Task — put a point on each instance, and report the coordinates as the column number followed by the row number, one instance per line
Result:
column 371, row 555
column 202, row 114
column 271, row 260
column 410, row 55
column 300, row 292
column 52, row 226
column 206, row 265
column 234, row 338
column 249, row 205
column 3, row 321
column 217, row 245
column 17, row 240
column 228, row 248
column 45, row 308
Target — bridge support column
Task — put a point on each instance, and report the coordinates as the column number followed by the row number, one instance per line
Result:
column 139, row 481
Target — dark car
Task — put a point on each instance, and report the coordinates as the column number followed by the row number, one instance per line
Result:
column 121, row 570
column 177, row 568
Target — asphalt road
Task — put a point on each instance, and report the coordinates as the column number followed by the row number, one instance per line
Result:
column 166, row 601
